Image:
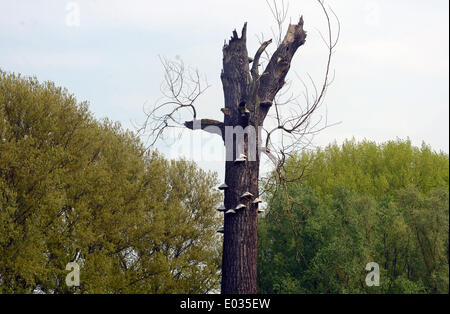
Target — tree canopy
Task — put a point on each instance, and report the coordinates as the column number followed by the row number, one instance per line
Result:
column 145, row 224
column 355, row 204
column 68, row 182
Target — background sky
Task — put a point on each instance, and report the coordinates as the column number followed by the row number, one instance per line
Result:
column 391, row 63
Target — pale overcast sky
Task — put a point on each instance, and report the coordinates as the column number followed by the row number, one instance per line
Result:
column 391, row 62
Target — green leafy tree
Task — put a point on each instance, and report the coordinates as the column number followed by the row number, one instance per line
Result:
column 143, row 224
column 359, row 203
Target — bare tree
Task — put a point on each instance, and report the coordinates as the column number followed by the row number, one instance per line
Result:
column 251, row 98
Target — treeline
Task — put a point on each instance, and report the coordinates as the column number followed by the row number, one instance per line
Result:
column 144, row 224
column 358, row 203
column 68, row 182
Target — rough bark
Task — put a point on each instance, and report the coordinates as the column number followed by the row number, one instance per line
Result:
column 248, row 98
column 240, row 236
column 276, row 70
column 249, row 89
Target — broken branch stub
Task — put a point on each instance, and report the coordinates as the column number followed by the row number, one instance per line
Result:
column 277, row 68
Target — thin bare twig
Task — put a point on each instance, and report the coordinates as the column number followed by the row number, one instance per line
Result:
column 180, row 88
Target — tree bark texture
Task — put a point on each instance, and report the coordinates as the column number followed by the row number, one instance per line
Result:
column 248, row 98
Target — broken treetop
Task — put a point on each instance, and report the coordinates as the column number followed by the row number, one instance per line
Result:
column 249, row 95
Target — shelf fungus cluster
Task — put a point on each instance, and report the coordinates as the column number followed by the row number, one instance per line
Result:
column 245, row 198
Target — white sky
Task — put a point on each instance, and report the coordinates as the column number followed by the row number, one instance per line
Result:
column 391, row 62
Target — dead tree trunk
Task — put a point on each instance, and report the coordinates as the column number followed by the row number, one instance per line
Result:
column 248, row 98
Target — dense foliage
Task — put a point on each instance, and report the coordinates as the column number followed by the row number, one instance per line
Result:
column 358, row 203
column 67, row 182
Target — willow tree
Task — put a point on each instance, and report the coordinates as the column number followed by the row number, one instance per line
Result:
column 249, row 96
